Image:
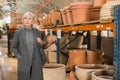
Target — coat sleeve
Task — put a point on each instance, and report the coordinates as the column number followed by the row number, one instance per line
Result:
column 41, row 48
column 15, row 45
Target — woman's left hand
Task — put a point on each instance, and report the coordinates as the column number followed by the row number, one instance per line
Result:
column 39, row 40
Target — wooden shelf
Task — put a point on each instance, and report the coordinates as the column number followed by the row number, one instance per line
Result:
column 84, row 27
column 87, row 26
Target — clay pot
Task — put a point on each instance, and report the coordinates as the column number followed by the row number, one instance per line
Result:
column 72, row 76
column 94, row 57
column 54, row 72
column 76, row 57
column 56, row 18
column 64, row 17
column 69, row 15
column 103, row 75
column 99, row 3
column 80, row 11
column 95, row 13
column 84, row 71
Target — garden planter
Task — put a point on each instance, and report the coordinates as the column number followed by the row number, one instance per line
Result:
column 54, row 72
column 84, row 71
column 69, row 15
column 76, row 57
column 81, row 11
column 95, row 13
column 64, row 17
column 56, row 18
column 94, row 57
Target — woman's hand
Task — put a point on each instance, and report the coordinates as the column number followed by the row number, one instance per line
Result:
column 39, row 40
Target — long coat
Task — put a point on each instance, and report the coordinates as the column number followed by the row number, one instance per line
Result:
column 19, row 47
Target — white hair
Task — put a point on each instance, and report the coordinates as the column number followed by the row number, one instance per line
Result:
column 28, row 14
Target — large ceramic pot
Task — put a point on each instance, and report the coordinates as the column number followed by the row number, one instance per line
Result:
column 84, row 71
column 54, row 72
column 81, row 11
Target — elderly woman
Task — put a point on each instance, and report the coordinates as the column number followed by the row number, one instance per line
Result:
column 28, row 48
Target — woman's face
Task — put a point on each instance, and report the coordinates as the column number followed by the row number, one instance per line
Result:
column 28, row 21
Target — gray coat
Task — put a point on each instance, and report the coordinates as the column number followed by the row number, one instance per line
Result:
column 25, row 71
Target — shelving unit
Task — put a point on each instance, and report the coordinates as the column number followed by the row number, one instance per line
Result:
column 85, row 26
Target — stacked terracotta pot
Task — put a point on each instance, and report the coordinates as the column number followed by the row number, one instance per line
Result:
column 64, row 17
column 95, row 13
column 52, row 19
column 80, row 11
column 69, row 15
column 56, row 18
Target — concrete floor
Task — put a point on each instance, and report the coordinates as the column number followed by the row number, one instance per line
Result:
column 11, row 62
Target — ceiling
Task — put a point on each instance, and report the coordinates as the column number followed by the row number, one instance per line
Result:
column 35, row 5
column 40, row 6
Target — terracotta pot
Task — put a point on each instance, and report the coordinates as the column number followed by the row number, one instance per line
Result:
column 95, row 13
column 69, row 15
column 94, row 57
column 76, row 57
column 80, row 11
column 54, row 72
column 56, row 17
column 72, row 76
column 99, row 3
column 64, row 17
